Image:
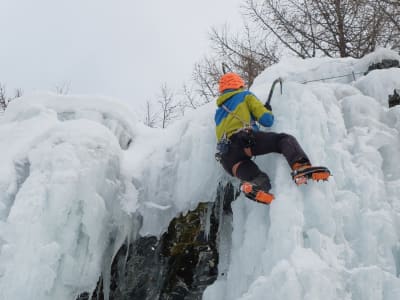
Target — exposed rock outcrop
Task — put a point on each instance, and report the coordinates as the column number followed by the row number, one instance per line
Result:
column 179, row 265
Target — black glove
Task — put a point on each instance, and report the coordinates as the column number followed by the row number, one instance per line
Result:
column 268, row 106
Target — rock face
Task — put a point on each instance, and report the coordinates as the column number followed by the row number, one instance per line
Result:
column 179, row 265
column 384, row 64
column 394, row 99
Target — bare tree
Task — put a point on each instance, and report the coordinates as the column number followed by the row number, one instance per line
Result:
column 330, row 27
column 248, row 54
column 189, row 97
column 3, row 98
column 307, row 28
column 151, row 117
column 205, row 75
column 17, row 93
column 63, row 88
column 391, row 9
column 168, row 106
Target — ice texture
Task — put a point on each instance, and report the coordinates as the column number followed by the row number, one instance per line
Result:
column 334, row 240
column 61, row 196
column 77, row 173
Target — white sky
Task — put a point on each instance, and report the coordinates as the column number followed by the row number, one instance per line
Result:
column 117, row 48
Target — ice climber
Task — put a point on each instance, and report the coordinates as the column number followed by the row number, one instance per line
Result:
column 239, row 139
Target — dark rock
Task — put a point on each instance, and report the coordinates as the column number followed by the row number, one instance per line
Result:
column 180, row 265
column 83, row 296
column 138, row 270
column 227, row 194
column 394, row 99
column 384, row 64
column 192, row 255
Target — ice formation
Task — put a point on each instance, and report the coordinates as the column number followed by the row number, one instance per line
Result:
column 77, row 171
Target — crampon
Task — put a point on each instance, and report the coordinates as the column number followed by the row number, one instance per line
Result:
column 255, row 194
column 315, row 173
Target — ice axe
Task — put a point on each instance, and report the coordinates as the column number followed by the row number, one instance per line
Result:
column 225, row 68
column 271, row 91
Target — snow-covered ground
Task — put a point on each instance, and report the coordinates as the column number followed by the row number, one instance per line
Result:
column 77, row 171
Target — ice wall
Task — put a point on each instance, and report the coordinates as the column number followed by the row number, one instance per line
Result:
column 61, row 194
column 174, row 169
column 335, row 240
column 78, row 173
column 79, row 176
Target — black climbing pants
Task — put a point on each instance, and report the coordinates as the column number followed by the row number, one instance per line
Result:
column 260, row 143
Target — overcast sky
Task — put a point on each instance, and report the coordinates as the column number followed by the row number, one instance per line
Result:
column 119, row 48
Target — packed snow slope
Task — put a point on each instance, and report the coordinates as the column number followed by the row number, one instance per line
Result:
column 78, row 173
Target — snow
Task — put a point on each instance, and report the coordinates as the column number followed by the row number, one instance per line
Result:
column 336, row 240
column 77, row 173
column 61, row 195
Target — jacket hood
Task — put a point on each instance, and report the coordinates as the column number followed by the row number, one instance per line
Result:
column 227, row 95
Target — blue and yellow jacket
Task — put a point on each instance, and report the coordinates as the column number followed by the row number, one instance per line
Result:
column 245, row 108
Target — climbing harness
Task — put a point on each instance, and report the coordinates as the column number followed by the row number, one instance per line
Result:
column 244, row 123
column 245, row 134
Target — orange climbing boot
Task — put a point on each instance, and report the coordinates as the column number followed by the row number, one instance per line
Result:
column 304, row 171
column 253, row 193
column 300, row 166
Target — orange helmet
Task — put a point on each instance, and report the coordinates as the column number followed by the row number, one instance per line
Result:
column 230, row 81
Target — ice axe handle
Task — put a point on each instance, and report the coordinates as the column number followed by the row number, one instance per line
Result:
column 271, row 91
column 225, row 68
